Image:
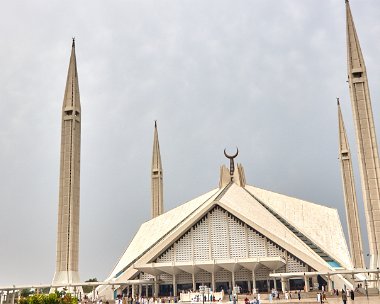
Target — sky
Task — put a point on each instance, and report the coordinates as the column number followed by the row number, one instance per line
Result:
column 262, row 76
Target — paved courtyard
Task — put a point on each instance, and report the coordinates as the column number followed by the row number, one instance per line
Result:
column 337, row 300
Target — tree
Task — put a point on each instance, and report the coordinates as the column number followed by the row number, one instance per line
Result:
column 26, row 293
column 87, row 289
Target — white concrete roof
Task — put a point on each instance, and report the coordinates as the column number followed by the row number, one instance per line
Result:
column 319, row 223
column 153, row 230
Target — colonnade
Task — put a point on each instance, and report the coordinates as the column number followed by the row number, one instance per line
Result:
column 136, row 290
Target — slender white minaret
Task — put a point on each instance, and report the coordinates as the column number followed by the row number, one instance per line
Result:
column 349, row 191
column 157, row 183
column 69, row 182
column 365, row 137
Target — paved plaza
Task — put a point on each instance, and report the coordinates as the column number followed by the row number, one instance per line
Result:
column 336, row 300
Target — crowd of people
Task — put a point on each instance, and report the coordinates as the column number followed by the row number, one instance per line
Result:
column 254, row 298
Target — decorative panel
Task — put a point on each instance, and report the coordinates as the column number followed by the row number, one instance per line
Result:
column 262, row 273
column 223, row 276
column 203, row 277
column 238, row 248
column 183, row 248
column 243, row 275
column 184, row 278
column 256, row 243
column 219, row 227
column 201, row 240
column 167, row 256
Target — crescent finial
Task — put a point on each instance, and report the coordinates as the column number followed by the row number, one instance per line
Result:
column 231, row 156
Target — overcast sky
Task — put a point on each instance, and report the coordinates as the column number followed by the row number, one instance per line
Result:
column 260, row 75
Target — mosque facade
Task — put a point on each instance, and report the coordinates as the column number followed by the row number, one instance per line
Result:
column 241, row 235
column 236, row 234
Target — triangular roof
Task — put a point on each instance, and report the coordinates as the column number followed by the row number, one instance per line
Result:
column 155, row 229
column 246, row 204
column 319, row 223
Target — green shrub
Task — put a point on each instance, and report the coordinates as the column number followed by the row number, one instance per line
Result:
column 53, row 298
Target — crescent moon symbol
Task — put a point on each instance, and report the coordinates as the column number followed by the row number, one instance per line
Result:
column 231, row 156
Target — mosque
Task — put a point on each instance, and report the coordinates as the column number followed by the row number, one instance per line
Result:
column 236, row 234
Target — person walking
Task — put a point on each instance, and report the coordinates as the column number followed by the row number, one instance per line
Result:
column 344, row 297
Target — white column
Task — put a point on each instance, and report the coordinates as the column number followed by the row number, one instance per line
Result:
column 213, row 281
column 253, row 279
column 329, row 283
column 140, row 289
column 133, row 292
column 283, row 284
column 1, row 297
column 13, row 297
column 174, row 285
column 155, row 287
column 194, row 285
column 306, row 283
column 249, row 286
column 233, row 279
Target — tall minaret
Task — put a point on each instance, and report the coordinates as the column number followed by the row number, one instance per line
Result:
column 352, row 214
column 157, row 184
column 69, row 181
column 366, row 138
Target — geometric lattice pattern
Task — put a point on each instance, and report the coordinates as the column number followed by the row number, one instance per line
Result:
column 220, row 235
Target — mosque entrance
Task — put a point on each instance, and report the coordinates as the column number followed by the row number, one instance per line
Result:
column 296, row 284
column 222, row 285
column 243, row 286
column 166, row 290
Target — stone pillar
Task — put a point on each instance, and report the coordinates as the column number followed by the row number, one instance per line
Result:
column 249, row 286
column 174, row 285
column 312, row 282
column 133, row 292
column 306, row 289
column 155, row 294
column 194, row 285
column 233, row 279
column 283, row 284
column 329, row 283
column 253, row 279
column 268, row 285
column 13, row 296
column 213, row 281
column 140, row 289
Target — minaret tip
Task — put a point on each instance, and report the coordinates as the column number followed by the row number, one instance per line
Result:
column 337, row 101
column 155, row 123
column 73, row 44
